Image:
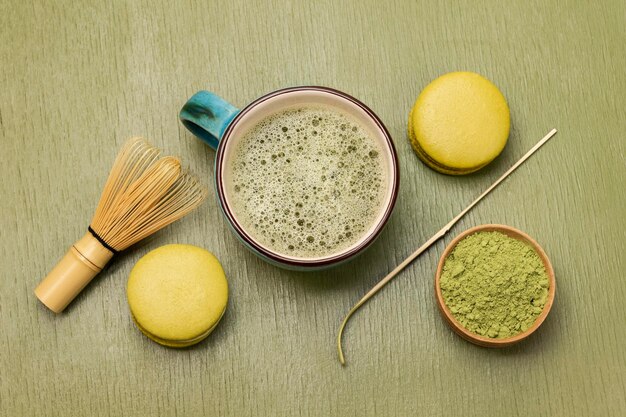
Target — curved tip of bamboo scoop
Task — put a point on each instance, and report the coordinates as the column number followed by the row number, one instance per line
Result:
column 342, row 359
column 74, row 271
column 353, row 310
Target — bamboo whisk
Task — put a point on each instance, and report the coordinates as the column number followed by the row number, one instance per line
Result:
column 143, row 194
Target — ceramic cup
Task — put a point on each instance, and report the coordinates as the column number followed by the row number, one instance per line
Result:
column 221, row 125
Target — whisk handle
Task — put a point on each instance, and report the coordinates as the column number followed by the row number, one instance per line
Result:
column 74, row 271
column 207, row 115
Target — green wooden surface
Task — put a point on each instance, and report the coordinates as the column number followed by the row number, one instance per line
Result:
column 78, row 78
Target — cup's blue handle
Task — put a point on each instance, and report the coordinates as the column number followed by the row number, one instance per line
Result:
column 206, row 115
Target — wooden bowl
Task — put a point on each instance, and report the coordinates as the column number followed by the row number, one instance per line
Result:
column 486, row 341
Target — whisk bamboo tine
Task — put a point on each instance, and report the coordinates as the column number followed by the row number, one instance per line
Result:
column 123, row 174
column 429, row 243
column 163, row 213
column 140, row 196
column 143, row 194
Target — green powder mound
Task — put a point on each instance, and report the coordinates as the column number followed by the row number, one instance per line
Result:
column 494, row 285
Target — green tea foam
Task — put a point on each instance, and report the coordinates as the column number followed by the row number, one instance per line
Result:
column 307, row 182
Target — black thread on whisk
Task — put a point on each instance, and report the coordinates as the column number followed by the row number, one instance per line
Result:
column 99, row 239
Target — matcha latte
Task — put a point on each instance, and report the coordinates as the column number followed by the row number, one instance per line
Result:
column 307, row 182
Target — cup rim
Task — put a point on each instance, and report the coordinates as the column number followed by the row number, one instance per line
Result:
column 266, row 252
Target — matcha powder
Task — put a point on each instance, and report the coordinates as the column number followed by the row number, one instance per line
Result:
column 494, row 285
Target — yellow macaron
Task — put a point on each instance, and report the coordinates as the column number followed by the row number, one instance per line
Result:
column 459, row 123
column 177, row 294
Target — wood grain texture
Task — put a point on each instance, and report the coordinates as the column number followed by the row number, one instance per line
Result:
column 78, row 78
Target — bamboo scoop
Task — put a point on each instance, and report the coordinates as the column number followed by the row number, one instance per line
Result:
column 143, row 194
column 430, row 241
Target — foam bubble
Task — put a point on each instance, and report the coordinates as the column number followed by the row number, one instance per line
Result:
column 307, row 182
